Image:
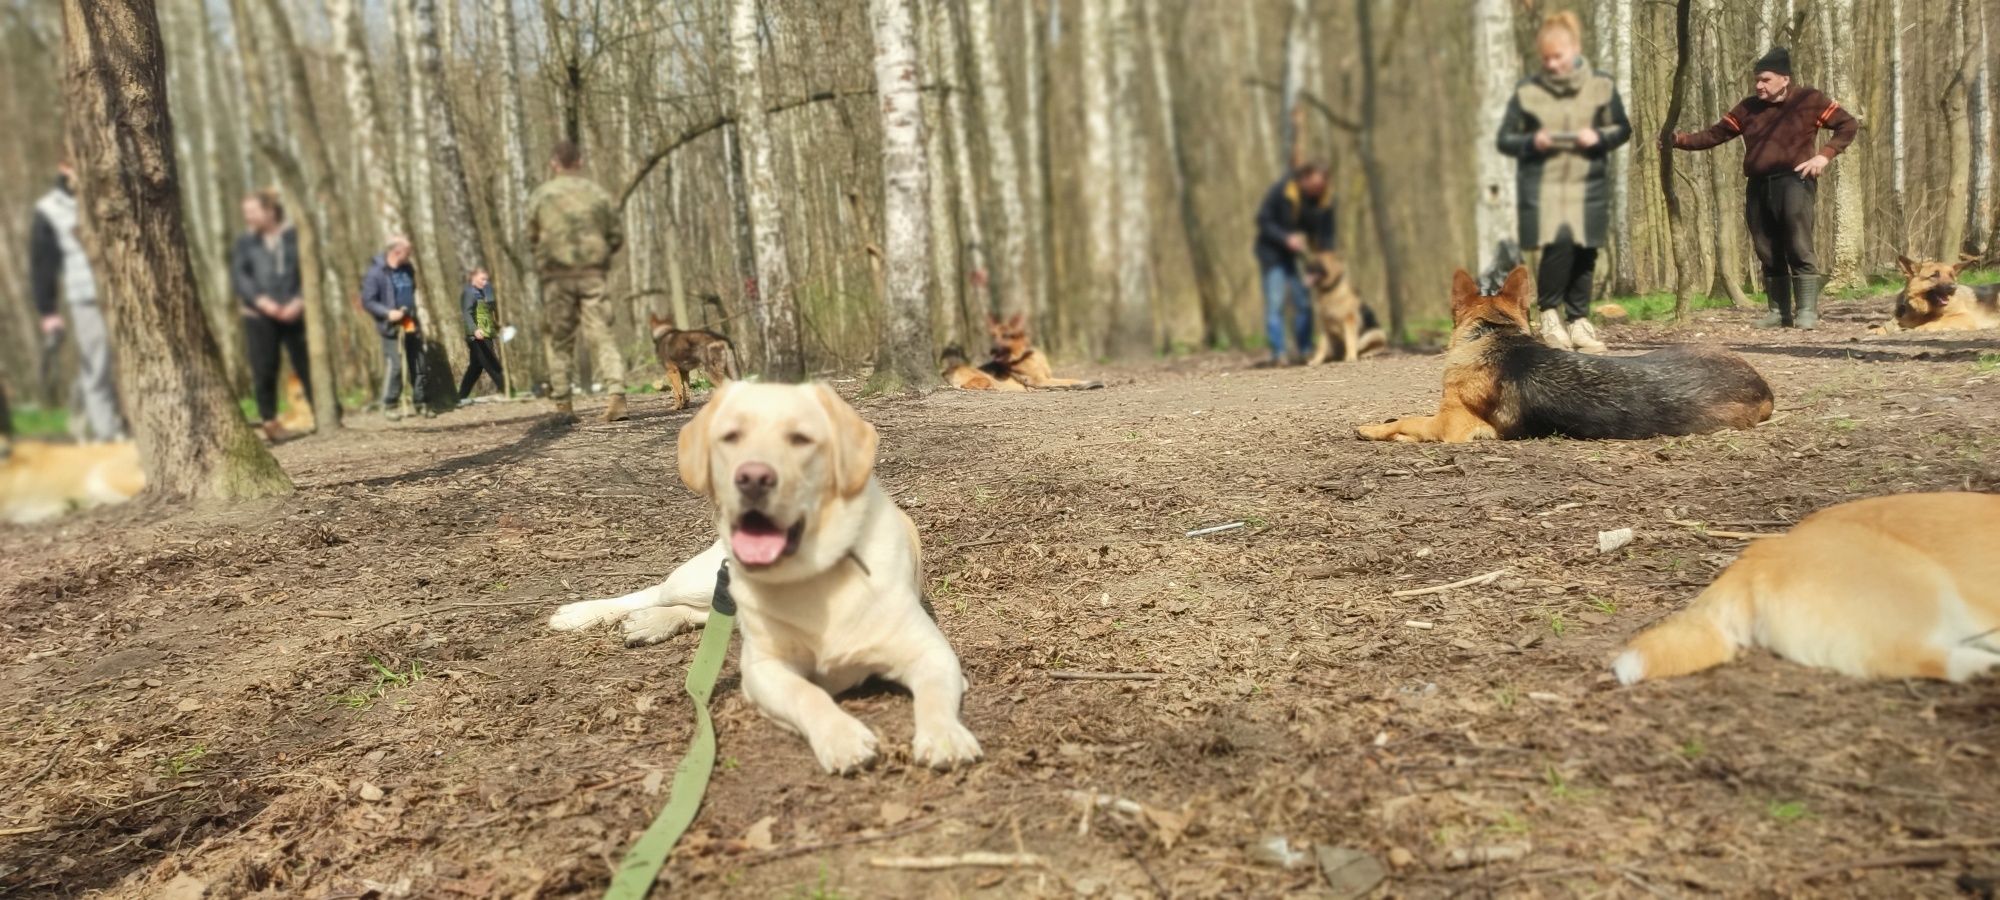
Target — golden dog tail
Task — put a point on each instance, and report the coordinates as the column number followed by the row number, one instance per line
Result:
column 1705, row 634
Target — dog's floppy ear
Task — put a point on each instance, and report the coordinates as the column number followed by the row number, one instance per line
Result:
column 1464, row 294
column 853, row 442
column 694, row 446
column 1906, row 264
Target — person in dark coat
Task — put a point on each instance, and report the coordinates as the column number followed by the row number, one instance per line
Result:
column 1562, row 124
column 475, row 303
column 389, row 294
column 1295, row 219
column 264, row 271
column 1780, row 126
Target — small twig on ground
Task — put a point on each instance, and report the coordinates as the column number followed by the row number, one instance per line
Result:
column 47, row 767
column 1922, row 861
column 815, row 847
column 963, row 860
column 1703, row 529
column 28, row 829
column 326, row 614
column 1073, row 675
column 449, row 607
column 1215, row 529
column 557, row 556
column 1474, row 581
column 1949, row 843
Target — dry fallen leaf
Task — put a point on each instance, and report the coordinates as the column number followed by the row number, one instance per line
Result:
column 894, row 814
column 759, row 836
column 369, row 792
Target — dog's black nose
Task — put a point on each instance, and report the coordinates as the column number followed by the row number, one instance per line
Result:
column 755, row 480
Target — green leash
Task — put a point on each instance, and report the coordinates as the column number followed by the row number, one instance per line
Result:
column 642, row 864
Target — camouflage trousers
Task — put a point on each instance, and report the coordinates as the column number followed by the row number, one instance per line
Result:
column 569, row 298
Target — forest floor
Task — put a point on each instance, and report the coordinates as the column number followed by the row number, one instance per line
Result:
column 351, row 692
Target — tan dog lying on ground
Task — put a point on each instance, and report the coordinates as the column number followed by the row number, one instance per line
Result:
column 1906, row 586
column 827, row 573
column 1015, row 358
column 40, row 481
column 681, row 351
column 1337, row 309
column 960, row 373
column 1934, row 300
column 1501, row 383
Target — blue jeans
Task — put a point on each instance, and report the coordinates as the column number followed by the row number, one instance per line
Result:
column 1276, row 280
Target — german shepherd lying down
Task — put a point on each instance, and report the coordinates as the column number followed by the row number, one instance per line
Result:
column 1906, row 586
column 1933, row 300
column 1013, row 359
column 1337, row 310
column 682, row 351
column 1501, row 383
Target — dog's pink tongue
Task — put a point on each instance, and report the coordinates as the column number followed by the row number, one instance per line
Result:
column 757, row 547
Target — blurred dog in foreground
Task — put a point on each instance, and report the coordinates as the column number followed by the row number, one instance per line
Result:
column 828, row 573
column 1501, row 383
column 40, row 481
column 1906, row 586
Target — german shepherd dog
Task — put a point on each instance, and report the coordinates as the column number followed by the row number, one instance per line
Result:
column 1501, row 383
column 1933, row 300
column 1338, row 310
column 682, row 351
column 960, row 373
column 1014, row 358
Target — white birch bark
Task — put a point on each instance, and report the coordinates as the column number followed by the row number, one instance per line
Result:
column 1034, row 141
column 972, row 230
column 1135, row 333
column 435, row 313
column 1010, row 274
column 948, row 308
column 457, row 192
column 1298, row 46
column 1979, row 199
column 351, row 40
column 903, row 356
column 773, row 306
column 1496, row 61
column 1836, row 22
column 1099, row 180
column 1625, row 275
column 520, row 302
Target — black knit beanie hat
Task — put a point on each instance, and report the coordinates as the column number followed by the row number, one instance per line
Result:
column 1778, row 61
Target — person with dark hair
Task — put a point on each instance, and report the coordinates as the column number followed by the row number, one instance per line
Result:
column 575, row 229
column 389, row 294
column 1780, row 126
column 1295, row 219
column 264, row 271
column 1562, row 124
column 59, row 269
column 475, row 303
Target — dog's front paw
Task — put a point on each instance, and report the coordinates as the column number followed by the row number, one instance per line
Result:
column 945, row 745
column 580, row 615
column 1383, row 432
column 651, row 626
column 843, row 746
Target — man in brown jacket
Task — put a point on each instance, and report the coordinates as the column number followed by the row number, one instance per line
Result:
column 1780, row 126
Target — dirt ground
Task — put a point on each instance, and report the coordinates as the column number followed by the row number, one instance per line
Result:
column 351, row 693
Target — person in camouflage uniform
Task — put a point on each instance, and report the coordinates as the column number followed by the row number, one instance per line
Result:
column 574, row 229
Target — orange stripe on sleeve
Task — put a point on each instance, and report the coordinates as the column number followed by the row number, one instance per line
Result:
column 1732, row 122
column 1831, row 108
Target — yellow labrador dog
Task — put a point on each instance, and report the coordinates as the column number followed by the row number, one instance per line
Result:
column 826, row 571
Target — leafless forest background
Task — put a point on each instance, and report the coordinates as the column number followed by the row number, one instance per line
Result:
column 1097, row 160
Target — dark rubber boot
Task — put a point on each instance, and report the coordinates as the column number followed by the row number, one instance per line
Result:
column 1805, row 294
column 1779, row 289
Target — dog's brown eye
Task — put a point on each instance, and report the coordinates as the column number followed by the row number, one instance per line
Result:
column 731, row 436
column 799, row 440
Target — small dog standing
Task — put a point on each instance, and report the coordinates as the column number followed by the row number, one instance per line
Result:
column 1905, row 586
column 1501, row 383
column 1338, row 310
column 1934, row 300
column 682, row 351
column 827, row 573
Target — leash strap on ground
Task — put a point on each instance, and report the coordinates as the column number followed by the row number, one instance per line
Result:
column 642, row 864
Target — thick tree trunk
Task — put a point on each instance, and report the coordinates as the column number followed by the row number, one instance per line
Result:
column 522, row 305
column 1958, row 128
column 1685, row 248
column 437, row 303
column 1034, row 140
column 1979, row 120
column 1898, row 150
column 1136, row 332
column 996, row 113
column 1371, row 167
column 1218, row 323
column 462, row 224
column 1298, row 46
column 1836, row 22
column 1724, row 216
column 978, row 282
column 1496, row 60
column 774, row 307
column 1100, row 174
column 1625, row 274
column 358, row 85
column 903, row 348
column 948, row 307
column 193, row 440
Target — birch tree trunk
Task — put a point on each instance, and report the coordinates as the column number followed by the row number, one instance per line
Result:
column 1297, row 48
column 444, row 344
column 1625, row 278
column 1898, row 150
column 948, row 308
column 1218, row 324
column 773, row 305
column 463, row 224
column 1371, row 166
column 1725, row 219
column 971, row 223
column 523, row 308
column 193, row 440
column 1136, row 333
column 903, row 359
column 1979, row 120
column 1100, row 174
column 1836, row 22
column 997, row 115
column 1956, row 104
column 1034, row 139
column 1685, row 247
column 1496, row 61
column 358, row 84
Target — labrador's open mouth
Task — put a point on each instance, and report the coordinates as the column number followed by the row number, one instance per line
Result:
column 757, row 540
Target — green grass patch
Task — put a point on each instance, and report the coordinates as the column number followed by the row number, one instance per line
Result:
column 1988, row 362
column 182, row 763
column 1652, row 307
column 30, row 422
column 1787, row 812
column 382, row 680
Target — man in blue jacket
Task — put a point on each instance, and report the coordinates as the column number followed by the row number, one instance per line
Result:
column 1295, row 219
column 389, row 293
